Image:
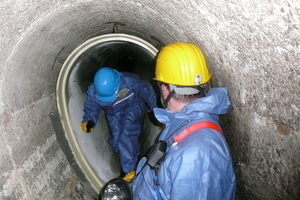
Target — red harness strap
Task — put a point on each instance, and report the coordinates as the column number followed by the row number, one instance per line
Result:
column 199, row 125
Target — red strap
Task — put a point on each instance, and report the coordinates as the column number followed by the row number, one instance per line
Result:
column 199, row 125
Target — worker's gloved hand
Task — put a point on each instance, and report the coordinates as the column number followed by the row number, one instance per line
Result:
column 87, row 126
column 129, row 176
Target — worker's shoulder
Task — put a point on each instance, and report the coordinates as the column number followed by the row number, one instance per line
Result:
column 132, row 80
column 130, row 75
column 203, row 137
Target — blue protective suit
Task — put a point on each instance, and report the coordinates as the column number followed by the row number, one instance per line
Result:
column 200, row 166
column 124, row 116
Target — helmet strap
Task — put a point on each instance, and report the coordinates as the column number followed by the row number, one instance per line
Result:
column 201, row 89
column 166, row 101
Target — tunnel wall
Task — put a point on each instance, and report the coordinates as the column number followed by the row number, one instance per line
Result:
column 252, row 47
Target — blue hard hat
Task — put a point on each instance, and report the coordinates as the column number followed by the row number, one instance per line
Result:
column 106, row 82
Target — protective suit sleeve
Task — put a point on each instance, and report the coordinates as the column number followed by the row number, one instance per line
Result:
column 141, row 88
column 92, row 106
column 146, row 92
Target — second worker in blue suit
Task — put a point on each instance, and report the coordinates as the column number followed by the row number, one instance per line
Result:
column 123, row 96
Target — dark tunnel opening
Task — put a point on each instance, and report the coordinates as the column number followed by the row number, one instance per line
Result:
column 119, row 55
column 91, row 153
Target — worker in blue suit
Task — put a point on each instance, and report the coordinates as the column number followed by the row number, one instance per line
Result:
column 197, row 165
column 124, row 97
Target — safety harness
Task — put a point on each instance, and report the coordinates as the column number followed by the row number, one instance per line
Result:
column 160, row 150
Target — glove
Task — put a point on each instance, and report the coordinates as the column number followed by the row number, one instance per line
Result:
column 87, row 126
column 129, row 176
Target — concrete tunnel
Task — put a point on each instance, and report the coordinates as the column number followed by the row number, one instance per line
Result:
column 252, row 47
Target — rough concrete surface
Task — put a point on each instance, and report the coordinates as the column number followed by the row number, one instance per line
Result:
column 252, row 47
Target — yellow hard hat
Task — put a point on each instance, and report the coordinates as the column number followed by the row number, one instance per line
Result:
column 183, row 64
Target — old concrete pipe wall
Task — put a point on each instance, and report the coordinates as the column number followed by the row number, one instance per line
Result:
column 252, row 48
